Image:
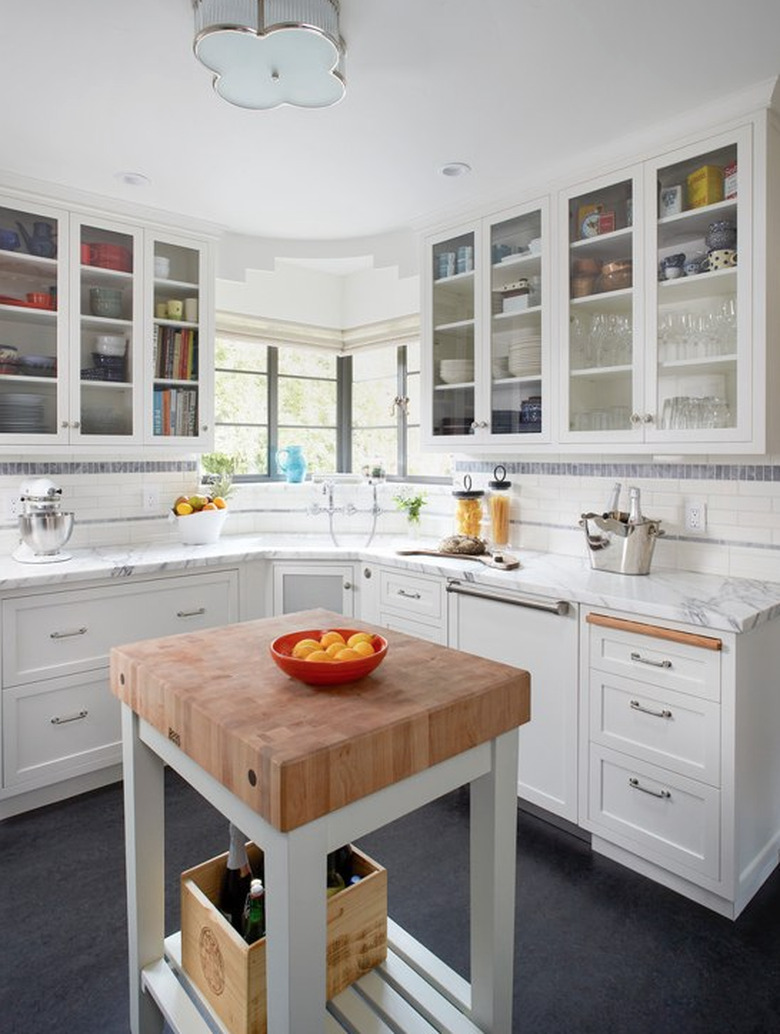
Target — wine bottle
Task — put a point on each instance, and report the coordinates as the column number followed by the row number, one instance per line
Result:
column 237, row 880
column 613, row 506
column 634, row 508
column 254, row 921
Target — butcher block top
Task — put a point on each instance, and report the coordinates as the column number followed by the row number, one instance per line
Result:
column 295, row 752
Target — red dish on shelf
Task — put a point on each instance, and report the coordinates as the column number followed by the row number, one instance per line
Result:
column 111, row 256
column 23, row 303
column 316, row 673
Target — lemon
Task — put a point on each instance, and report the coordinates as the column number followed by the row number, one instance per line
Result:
column 331, row 637
column 347, row 654
column 359, row 637
column 304, row 647
column 363, row 649
column 334, row 648
column 318, row 656
column 182, row 509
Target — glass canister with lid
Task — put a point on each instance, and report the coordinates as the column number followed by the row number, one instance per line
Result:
column 468, row 509
column 498, row 506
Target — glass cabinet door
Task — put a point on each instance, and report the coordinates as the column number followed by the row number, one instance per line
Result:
column 181, row 373
column 453, row 315
column 698, row 319
column 108, row 361
column 603, row 372
column 516, row 324
column 33, row 304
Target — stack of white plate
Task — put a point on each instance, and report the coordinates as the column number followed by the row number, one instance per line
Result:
column 456, row 371
column 525, row 354
column 21, row 413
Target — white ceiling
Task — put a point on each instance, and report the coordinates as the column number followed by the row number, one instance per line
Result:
column 94, row 87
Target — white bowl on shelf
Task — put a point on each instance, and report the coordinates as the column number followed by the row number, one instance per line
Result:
column 111, row 344
column 201, row 528
column 162, row 267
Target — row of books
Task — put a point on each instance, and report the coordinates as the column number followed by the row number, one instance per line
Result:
column 175, row 353
column 175, row 411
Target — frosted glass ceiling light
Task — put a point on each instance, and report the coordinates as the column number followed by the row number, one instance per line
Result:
column 264, row 53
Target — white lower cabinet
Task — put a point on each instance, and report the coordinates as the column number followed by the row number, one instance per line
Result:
column 60, row 723
column 539, row 635
column 404, row 601
column 678, row 773
column 315, row 583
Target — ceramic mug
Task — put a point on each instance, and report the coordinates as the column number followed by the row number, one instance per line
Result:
column 161, row 310
column 191, row 310
column 175, row 309
column 722, row 258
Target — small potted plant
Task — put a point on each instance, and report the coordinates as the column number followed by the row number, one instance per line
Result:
column 412, row 506
column 218, row 471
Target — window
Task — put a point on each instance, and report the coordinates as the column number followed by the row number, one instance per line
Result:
column 343, row 411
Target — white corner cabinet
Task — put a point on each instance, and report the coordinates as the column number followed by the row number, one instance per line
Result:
column 632, row 358
column 679, row 766
column 303, row 585
column 87, row 355
column 59, row 721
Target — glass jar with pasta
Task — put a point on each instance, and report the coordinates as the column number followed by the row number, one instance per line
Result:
column 498, row 507
column 468, row 509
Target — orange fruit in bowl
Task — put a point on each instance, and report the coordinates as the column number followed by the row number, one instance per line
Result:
column 327, row 638
column 334, row 649
column 346, row 653
column 319, row 657
column 360, row 637
column 220, row 503
column 305, row 647
column 183, row 508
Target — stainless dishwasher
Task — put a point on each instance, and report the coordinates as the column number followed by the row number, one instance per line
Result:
column 541, row 635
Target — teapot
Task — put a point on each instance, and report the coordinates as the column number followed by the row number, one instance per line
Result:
column 42, row 242
column 292, row 463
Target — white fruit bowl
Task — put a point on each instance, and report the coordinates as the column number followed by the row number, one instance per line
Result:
column 201, row 528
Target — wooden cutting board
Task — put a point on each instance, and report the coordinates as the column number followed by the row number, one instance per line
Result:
column 295, row 752
column 501, row 561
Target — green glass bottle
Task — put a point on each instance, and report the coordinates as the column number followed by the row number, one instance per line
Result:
column 254, row 922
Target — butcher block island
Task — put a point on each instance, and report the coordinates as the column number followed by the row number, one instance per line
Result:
column 302, row 770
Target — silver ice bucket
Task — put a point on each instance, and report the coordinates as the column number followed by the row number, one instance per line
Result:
column 615, row 545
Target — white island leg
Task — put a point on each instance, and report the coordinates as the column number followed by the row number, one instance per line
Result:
column 144, row 793
column 493, row 832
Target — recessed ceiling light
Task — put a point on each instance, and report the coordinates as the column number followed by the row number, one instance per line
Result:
column 455, row 169
column 133, row 179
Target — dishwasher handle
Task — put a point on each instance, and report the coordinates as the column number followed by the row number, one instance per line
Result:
column 559, row 607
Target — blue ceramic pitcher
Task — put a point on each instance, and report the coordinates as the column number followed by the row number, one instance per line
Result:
column 292, row 463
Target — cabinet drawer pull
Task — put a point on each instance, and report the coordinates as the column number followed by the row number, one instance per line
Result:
column 636, row 785
column 647, row 660
column 56, row 720
column 67, row 635
column 408, row 595
column 648, row 710
column 190, row 613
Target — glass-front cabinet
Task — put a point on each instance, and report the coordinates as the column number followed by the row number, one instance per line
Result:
column 181, row 386
column 105, row 332
column 699, row 312
column 486, row 324
column 33, row 318
column 454, row 311
column 517, row 332
column 601, row 273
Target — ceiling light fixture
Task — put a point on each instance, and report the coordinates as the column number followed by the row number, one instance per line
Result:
column 265, row 53
column 455, row 169
column 133, row 179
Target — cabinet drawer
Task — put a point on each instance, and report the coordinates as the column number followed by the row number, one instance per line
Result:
column 57, row 634
column 671, row 663
column 674, row 730
column 433, row 633
column 662, row 816
column 59, row 728
column 411, row 594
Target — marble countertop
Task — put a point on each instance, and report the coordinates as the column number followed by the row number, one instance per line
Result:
column 705, row 600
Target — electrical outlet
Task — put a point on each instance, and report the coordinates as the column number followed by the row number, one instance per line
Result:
column 695, row 516
column 151, row 497
column 11, row 506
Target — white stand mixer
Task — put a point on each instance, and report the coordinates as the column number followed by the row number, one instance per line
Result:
column 44, row 528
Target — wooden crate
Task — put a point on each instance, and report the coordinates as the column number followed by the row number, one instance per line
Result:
column 231, row 973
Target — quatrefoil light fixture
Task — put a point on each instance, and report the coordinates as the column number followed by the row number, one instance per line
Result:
column 265, row 53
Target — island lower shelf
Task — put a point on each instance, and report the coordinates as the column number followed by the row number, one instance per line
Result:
column 410, row 991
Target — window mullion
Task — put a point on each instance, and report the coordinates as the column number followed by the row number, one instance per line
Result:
column 344, row 411
column 273, row 409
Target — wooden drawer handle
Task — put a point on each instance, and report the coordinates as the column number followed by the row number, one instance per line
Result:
column 636, row 706
column 56, row 720
column 636, row 785
column 705, row 642
column 67, row 635
column 190, row 613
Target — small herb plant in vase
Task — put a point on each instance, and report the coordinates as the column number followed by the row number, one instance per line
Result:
column 412, row 506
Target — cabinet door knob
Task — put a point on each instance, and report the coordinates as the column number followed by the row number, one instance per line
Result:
column 64, row 424
column 347, row 585
column 647, row 418
column 636, row 418
column 367, row 572
column 76, row 424
column 478, row 423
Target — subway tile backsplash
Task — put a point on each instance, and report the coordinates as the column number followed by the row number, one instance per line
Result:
column 742, row 536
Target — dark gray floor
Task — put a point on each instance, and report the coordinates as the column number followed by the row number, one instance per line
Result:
column 599, row 949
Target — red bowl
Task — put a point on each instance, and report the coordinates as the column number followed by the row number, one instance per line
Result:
column 323, row 673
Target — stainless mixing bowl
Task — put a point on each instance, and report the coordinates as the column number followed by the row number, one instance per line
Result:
column 45, row 533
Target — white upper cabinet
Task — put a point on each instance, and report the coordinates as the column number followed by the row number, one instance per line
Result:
column 78, row 365
column 638, row 320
